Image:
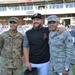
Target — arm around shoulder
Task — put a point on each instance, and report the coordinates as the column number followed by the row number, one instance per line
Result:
column 61, row 29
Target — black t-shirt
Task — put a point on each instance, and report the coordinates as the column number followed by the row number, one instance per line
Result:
column 38, row 45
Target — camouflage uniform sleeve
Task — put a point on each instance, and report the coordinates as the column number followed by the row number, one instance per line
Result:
column 22, row 48
column 1, row 43
column 69, row 49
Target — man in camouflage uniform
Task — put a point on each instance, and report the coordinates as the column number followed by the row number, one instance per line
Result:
column 10, row 50
column 61, row 49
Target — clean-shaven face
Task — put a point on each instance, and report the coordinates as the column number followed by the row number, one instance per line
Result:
column 37, row 23
column 53, row 25
column 13, row 25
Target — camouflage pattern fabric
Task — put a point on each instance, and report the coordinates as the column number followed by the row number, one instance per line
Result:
column 10, row 50
column 10, row 71
column 61, row 52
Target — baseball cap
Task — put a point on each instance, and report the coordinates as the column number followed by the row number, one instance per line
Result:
column 37, row 15
column 13, row 19
column 32, row 72
column 52, row 18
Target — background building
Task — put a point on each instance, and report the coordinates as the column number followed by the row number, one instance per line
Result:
column 24, row 9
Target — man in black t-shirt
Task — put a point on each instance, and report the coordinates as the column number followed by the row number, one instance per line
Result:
column 35, row 46
column 36, row 40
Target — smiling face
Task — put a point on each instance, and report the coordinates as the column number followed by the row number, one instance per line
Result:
column 37, row 23
column 13, row 25
column 53, row 25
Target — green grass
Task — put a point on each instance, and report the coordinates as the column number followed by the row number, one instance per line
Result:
column 24, row 68
column 73, row 69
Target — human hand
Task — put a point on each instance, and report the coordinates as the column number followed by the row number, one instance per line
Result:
column 65, row 72
column 61, row 29
column 28, row 66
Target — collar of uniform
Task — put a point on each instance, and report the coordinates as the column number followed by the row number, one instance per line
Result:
column 54, row 34
column 17, row 34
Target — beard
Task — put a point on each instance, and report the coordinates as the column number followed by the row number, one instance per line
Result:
column 37, row 26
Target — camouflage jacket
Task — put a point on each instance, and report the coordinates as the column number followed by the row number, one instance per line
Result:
column 61, row 50
column 10, row 49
